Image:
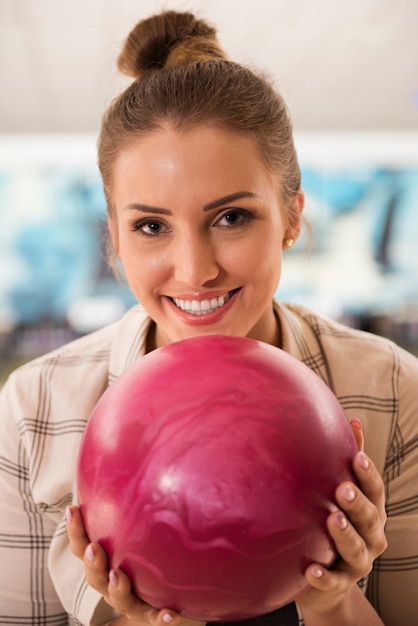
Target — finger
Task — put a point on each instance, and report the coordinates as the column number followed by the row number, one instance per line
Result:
column 364, row 518
column 355, row 558
column 357, row 432
column 96, row 567
column 361, row 512
column 184, row 621
column 76, row 531
column 370, row 482
column 324, row 580
column 121, row 597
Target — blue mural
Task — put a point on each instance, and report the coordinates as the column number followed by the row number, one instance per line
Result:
column 52, row 248
column 363, row 257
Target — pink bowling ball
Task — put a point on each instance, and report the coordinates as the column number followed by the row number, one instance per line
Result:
column 207, row 471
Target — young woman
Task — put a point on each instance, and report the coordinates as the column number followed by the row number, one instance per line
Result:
column 204, row 195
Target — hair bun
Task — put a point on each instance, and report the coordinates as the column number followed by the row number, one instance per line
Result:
column 167, row 39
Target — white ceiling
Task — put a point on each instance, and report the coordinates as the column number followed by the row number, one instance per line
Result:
column 340, row 64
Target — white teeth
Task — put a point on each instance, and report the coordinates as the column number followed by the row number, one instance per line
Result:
column 202, row 307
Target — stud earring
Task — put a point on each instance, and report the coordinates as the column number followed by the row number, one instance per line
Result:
column 288, row 243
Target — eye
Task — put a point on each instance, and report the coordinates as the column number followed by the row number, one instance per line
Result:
column 234, row 217
column 150, row 227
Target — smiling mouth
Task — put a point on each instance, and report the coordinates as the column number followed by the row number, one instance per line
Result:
column 203, row 307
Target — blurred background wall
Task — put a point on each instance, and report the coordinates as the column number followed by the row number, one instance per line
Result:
column 349, row 73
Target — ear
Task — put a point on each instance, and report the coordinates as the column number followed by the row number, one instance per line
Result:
column 294, row 218
column 112, row 226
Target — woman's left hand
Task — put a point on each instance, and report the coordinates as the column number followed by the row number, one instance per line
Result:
column 357, row 529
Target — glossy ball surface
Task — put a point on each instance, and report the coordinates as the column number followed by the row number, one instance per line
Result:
column 207, row 471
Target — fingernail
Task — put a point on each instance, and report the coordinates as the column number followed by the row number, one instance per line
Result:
column 317, row 571
column 90, row 553
column 113, row 578
column 363, row 460
column 167, row 618
column 356, row 423
column 348, row 493
column 341, row 520
column 68, row 515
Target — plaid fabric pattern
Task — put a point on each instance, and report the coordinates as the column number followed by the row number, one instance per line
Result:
column 44, row 407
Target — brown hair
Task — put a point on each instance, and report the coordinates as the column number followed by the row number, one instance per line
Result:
column 183, row 79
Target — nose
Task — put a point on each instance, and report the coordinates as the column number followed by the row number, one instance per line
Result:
column 195, row 261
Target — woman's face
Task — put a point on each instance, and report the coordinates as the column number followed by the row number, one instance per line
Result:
column 199, row 227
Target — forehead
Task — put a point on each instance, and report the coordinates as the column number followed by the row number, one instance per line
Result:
column 199, row 139
column 211, row 155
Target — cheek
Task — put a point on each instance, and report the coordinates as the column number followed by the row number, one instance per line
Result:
column 260, row 249
column 267, row 266
column 263, row 253
column 144, row 270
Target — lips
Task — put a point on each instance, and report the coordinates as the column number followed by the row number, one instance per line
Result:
column 203, row 306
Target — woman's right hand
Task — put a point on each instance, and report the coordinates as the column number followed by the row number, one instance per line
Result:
column 115, row 585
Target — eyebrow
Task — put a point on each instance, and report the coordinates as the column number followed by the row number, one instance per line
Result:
column 145, row 208
column 230, row 198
